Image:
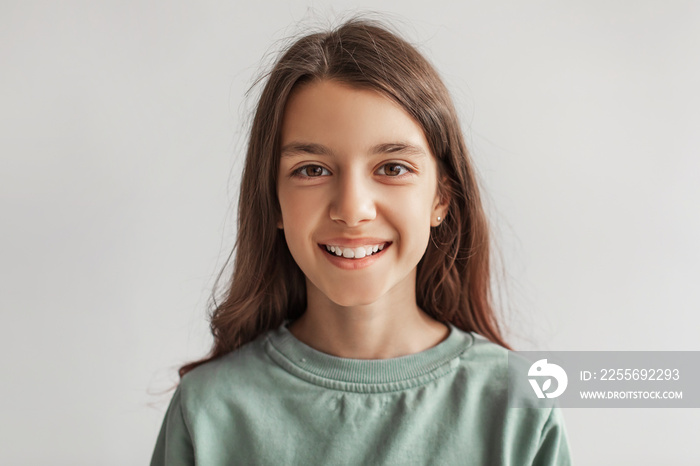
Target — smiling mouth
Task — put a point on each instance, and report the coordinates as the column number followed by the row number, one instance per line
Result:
column 354, row 253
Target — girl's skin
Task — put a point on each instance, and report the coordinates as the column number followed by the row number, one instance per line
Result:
column 356, row 170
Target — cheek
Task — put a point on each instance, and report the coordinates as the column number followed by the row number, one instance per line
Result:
column 289, row 204
column 414, row 204
column 300, row 212
column 413, row 212
column 412, row 220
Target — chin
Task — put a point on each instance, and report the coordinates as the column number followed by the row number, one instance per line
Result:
column 353, row 299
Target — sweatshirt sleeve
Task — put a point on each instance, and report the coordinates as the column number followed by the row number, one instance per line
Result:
column 174, row 445
column 554, row 446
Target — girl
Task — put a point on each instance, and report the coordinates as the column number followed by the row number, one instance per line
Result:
column 358, row 328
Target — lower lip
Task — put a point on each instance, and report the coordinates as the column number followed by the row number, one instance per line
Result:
column 352, row 264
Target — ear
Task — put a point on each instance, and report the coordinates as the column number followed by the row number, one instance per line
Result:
column 280, row 225
column 441, row 205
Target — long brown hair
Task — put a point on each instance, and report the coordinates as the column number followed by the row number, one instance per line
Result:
column 453, row 277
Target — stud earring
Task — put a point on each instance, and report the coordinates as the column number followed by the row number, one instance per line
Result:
column 439, row 219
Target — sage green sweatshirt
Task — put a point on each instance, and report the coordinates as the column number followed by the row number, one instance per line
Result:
column 277, row 401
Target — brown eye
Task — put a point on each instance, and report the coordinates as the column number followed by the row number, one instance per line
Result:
column 394, row 169
column 311, row 171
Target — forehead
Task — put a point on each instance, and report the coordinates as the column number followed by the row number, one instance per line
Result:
column 335, row 115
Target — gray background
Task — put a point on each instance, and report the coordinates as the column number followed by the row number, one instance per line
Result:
column 121, row 136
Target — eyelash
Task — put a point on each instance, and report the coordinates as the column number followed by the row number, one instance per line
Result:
column 298, row 172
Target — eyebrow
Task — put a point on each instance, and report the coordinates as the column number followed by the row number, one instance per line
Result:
column 293, row 149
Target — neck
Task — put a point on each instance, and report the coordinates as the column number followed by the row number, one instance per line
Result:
column 378, row 330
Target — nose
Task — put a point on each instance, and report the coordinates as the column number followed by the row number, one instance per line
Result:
column 353, row 201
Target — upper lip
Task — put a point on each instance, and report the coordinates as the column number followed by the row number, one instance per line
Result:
column 353, row 242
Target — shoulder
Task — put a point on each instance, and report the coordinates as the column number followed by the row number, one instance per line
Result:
column 530, row 431
column 485, row 361
column 236, row 371
column 490, row 364
column 486, row 369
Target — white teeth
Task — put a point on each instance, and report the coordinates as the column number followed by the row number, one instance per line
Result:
column 354, row 253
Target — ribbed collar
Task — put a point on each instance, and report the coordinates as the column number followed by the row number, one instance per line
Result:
column 366, row 375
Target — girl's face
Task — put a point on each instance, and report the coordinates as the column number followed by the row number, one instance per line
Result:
column 356, row 174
